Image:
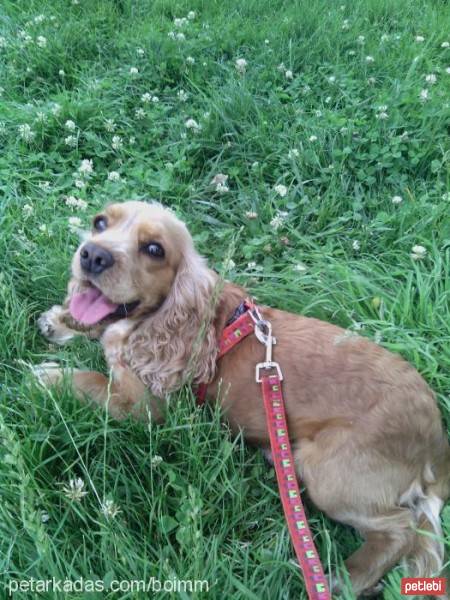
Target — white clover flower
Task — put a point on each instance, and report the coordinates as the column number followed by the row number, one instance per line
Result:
column 180, row 22
column 140, row 51
column 139, row 113
column 56, row 109
column 171, row 35
column 190, row 60
column 192, row 124
column 27, row 209
column 41, row 117
column 132, row 140
column 74, row 223
column 418, row 252
column 43, row 228
column 431, row 78
column 384, row 37
column 382, row 115
column 221, row 188
column 134, row 70
column 26, row 133
column 251, row 215
column 420, row 39
column 332, row 78
column 70, row 125
column 71, row 141
column 41, row 41
column 182, row 95
column 155, row 99
column 229, row 264
column 300, row 267
column 397, row 200
column 267, row 42
column 281, row 190
column 114, row 176
column 356, row 245
column 423, row 95
column 191, row 15
column 447, row 70
column 370, row 59
column 241, row 65
column 371, row 80
column 293, row 153
column 80, row 184
column 39, row 19
column 86, row 167
column 180, row 36
column 445, row 45
column 109, row 509
column 345, row 25
column 61, row 73
column 109, row 125
column 146, row 98
column 219, row 181
column 45, row 517
column 313, row 138
column 156, row 461
column 116, row 143
column 289, row 74
column 361, row 39
column 446, row 196
column 251, row 265
column 278, row 220
column 73, row 202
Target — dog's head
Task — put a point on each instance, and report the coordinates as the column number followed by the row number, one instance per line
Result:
column 136, row 256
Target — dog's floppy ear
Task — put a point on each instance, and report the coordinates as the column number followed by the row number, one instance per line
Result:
column 178, row 343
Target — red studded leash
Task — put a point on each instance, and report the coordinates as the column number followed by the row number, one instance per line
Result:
column 308, row 558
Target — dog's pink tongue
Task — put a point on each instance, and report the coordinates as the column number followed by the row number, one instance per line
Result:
column 91, row 306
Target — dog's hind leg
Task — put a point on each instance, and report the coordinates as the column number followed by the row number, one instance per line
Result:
column 388, row 538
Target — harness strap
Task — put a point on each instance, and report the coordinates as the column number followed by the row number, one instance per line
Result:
column 235, row 331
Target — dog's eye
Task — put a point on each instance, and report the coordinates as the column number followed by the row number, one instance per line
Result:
column 154, row 249
column 100, row 223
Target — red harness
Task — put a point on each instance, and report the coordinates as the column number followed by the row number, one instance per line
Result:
column 252, row 322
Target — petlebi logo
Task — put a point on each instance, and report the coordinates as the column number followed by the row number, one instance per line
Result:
column 423, row 586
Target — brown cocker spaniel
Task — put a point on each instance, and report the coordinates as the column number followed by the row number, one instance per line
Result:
column 367, row 434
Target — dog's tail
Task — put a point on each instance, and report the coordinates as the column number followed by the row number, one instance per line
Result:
column 427, row 554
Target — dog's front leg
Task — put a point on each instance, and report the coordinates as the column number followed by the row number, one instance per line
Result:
column 121, row 396
column 52, row 325
column 58, row 326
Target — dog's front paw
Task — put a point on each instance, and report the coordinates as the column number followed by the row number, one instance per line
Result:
column 48, row 373
column 51, row 326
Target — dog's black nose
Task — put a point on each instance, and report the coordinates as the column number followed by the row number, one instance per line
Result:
column 95, row 259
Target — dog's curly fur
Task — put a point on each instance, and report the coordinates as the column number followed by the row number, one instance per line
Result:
column 367, row 433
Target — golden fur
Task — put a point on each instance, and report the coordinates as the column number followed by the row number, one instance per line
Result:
column 367, row 433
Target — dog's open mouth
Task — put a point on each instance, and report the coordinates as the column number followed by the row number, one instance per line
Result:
column 91, row 306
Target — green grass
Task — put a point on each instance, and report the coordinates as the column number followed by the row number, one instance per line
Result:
column 341, row 252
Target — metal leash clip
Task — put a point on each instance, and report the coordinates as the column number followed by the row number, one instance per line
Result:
column 263, row 332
